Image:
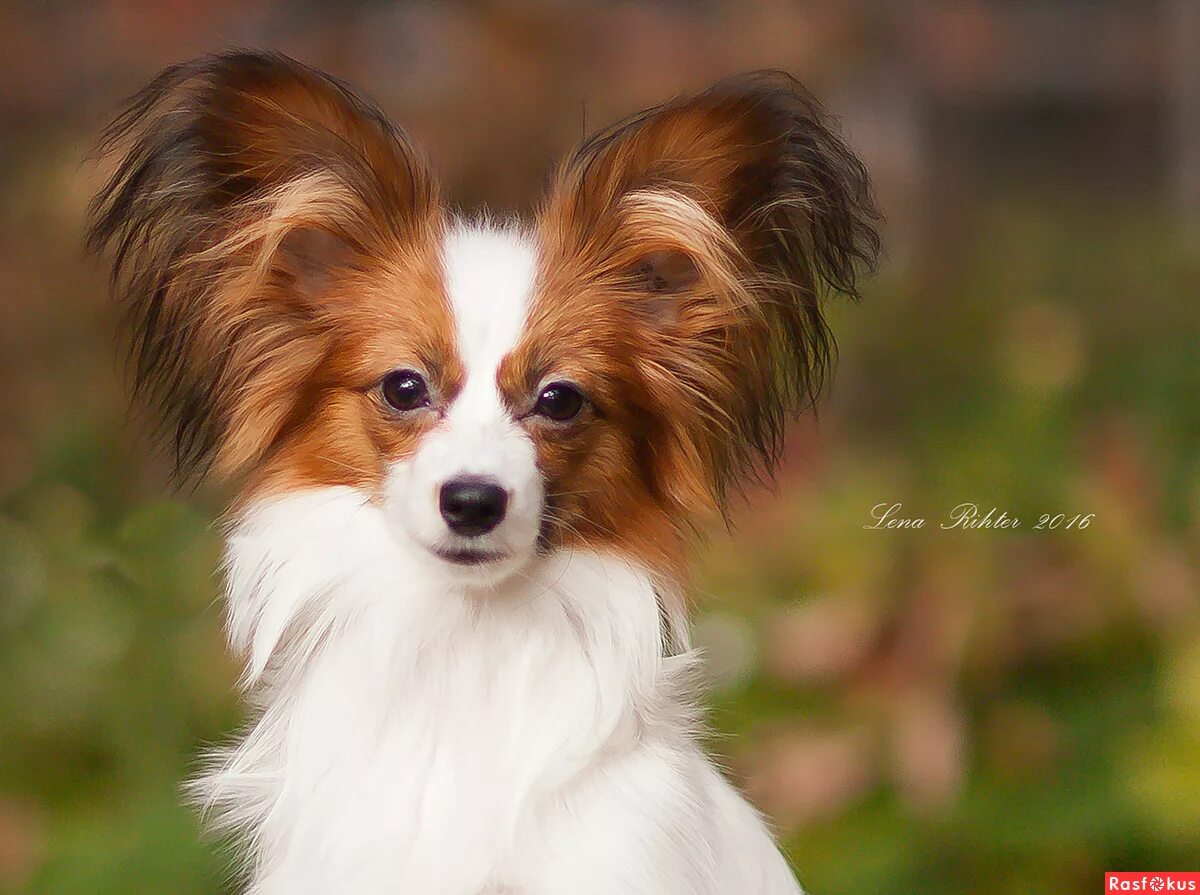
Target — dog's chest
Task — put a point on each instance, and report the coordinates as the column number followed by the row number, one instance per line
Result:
column 432, row 765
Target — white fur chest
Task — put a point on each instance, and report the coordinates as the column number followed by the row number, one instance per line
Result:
column 414, row 739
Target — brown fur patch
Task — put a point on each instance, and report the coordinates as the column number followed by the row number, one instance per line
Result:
column 391, row 316
column 684, row 251
column 600, row 484
column 263, row 219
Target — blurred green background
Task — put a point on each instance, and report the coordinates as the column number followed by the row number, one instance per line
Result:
column 926, row 711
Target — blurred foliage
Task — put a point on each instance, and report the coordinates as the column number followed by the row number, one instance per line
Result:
column 986, row 711
column 918, row 710
column 112, row 674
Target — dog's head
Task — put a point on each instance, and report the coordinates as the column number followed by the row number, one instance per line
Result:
column 304, row 311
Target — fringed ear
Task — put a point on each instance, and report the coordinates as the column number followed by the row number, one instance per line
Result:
column 720, row 220
column 245, row 183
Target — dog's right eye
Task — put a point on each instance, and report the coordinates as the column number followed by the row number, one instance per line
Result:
column 404, row 390
column 559, row 401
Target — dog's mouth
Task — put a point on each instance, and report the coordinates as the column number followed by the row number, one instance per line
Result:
column 467, row 556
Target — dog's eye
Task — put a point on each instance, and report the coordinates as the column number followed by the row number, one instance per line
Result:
column 559, row 401
column 404, row 390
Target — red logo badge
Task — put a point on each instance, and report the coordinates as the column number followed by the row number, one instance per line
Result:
column 1157, row 881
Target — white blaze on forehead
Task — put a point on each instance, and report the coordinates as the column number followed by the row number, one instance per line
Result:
column 489, row 276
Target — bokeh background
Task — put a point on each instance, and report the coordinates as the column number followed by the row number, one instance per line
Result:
column 919, row 711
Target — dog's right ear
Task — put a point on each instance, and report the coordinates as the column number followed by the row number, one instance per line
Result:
column 245, row 183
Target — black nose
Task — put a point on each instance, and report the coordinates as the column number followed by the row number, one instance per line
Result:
column 472, row 506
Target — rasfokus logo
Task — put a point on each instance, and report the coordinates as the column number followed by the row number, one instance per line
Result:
column 1142, row 881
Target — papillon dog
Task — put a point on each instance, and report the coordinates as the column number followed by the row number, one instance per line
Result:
column 471, row 456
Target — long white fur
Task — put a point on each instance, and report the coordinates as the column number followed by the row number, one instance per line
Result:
column 424, row 732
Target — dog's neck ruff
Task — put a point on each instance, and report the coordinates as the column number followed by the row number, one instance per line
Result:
column 401, row 710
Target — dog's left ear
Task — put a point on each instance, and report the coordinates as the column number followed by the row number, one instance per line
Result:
column 718, row 221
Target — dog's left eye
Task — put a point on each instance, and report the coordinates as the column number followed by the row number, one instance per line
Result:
column 559, row 401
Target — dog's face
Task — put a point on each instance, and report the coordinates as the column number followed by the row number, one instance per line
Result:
column 304, row 309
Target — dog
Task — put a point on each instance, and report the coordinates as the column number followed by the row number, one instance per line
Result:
column 472, row 455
